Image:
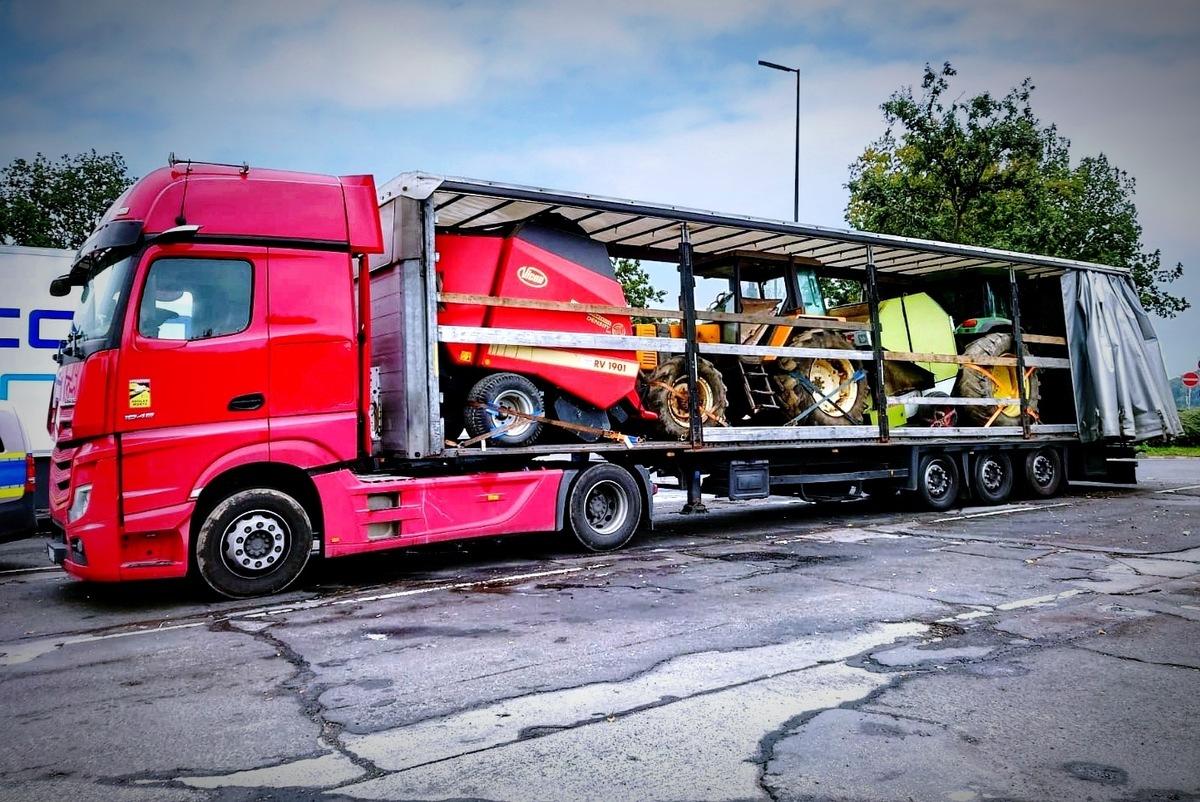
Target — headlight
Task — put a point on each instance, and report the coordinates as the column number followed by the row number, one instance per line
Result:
column 79, row 504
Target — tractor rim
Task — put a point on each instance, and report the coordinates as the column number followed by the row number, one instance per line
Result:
column 833, row 378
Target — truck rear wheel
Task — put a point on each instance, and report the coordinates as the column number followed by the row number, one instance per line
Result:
column 604, row 507
column 937, row 482
column 1043, row 472
column 846, row 396
column 992, row 473
column 500, row 393
column 667, row 395
column 254, row 543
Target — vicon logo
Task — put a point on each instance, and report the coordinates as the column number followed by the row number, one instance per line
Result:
column 531, row 276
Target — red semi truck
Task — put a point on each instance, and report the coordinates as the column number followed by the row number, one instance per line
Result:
column 267, row 365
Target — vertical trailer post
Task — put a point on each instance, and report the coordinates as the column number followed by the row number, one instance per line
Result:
column 687, row 281
column 879, row 391
column 1019, row 347
column 687, row 295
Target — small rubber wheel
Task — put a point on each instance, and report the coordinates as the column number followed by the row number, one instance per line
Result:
column 605, row 507
column 937, row 482
column 254, row 543
column 1043, row 472
column 992, row 476
column 501, row 392
column 936, row 416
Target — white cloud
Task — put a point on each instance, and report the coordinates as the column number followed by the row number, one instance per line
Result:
column 655, row 99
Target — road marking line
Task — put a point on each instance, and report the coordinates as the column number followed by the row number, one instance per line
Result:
column 984, row 611
column 1005, row 511
column 26, row 651
column 22, row 652
column 1178, row 489
column 30, row 570
column 1035, row 600
column 501, row 580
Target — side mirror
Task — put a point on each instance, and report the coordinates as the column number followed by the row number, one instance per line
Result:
column 60, row 286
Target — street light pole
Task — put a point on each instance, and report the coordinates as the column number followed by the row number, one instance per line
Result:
column 780, row 67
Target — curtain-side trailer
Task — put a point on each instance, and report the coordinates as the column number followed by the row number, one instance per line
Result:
column 277, row 364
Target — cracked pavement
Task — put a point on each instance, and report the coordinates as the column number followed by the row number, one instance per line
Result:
column 766, row 651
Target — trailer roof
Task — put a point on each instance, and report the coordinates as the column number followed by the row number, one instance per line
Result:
column 649, row 231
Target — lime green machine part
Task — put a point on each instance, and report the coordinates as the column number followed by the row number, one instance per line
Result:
column 918, row 324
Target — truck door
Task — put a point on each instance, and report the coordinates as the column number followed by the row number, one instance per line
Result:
column 192, row 373
column 313, row 373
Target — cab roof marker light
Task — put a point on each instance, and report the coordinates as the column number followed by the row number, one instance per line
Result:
column 180, row 230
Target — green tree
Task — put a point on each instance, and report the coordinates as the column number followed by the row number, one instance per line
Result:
column 56, row 204
column 985, row 171
column 640, row 292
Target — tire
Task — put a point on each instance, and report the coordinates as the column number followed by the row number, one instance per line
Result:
column 504, row 391
column 937, row 482
column 935, row 416
column 604, row 507
column 254, row 543
column 992, row 477
column 846, row 407
column 667, row 395
column 1044, row 472
column 996, row 382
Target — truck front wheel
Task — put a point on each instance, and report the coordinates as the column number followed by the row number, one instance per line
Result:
column 604, row 507
column 254, row 543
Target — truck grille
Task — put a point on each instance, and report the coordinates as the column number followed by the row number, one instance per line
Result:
column 60, row 476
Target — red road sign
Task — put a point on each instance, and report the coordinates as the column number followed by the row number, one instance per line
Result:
column 1190, row 379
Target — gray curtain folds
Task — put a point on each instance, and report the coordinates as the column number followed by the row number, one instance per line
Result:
column 1121, row 387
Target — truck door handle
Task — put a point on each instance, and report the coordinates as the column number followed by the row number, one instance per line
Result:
column 246, row 403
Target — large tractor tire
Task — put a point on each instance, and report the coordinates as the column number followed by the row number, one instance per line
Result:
column 847, row 397
column 993, row 381
column 667, row 395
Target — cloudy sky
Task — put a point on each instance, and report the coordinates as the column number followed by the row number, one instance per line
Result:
column 657, row 100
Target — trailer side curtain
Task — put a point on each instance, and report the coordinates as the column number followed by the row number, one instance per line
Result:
column 1121, row 387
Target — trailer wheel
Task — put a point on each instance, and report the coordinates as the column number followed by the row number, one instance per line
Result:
column 833, row 377
column 501, row 392
column 667, row 395
column 254, row 543
column 992, row 476
column 1043, row 472
column 937, row 482
column 994, row 381
column 604, row 507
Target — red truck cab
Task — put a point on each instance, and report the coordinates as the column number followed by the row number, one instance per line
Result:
column 216, row 345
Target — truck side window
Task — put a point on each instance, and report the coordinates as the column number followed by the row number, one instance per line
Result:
column 194, row 299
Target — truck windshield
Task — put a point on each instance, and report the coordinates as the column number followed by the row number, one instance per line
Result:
column 99, row 307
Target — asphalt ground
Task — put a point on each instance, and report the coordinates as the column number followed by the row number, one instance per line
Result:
column 1038, row 650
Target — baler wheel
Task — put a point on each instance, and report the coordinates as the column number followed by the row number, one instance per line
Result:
column 488, row 401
